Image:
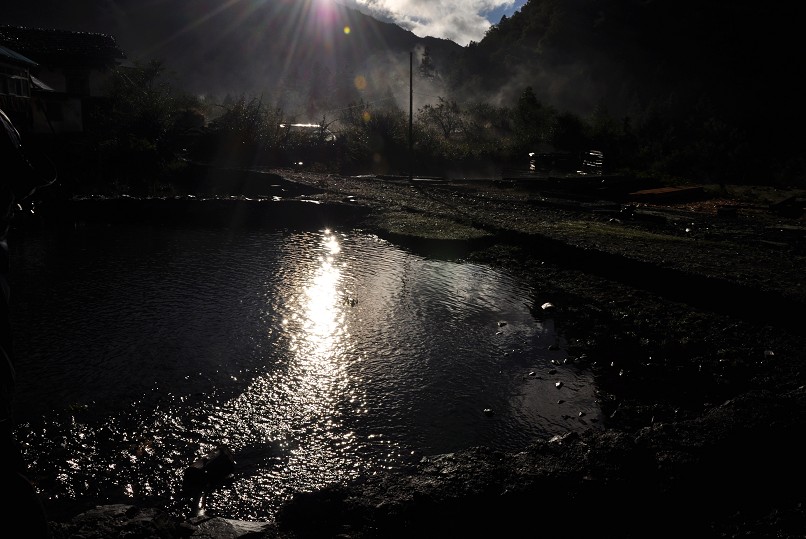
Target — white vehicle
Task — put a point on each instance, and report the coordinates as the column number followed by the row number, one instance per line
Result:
column 312, row 132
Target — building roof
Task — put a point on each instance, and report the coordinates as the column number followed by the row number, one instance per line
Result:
column 39, row 85
column 15, row 57
column 45, row 46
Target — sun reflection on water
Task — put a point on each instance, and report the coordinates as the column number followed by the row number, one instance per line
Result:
column 326, row 357
column 324, row 319
column 297, row 412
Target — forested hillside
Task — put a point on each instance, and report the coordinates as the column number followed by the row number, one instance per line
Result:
column 627, row 54
column 726, row 74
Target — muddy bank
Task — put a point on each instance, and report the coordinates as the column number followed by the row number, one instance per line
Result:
column 724, row 473
column 229, row 212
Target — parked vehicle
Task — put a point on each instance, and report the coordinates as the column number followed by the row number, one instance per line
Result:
column 309, row 132
column 305, row 144
column 593, row 162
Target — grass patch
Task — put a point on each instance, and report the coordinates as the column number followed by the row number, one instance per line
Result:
column 595, row 229
column 426, row 226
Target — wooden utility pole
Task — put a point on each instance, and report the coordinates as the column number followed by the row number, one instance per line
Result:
column 411, row 114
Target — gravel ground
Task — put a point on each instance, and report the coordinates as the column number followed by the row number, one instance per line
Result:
column 695, row 289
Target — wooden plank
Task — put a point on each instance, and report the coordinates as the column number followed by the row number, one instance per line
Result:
column 680, row 193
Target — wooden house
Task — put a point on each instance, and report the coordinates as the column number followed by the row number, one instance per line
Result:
column 15, row 85
column 66, row 73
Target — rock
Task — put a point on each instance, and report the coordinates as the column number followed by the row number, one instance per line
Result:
column 210, row 470
column 118, row 520
column 121, row 520
column 792, row 207
column 223, row 528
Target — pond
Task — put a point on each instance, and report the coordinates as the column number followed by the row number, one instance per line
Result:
column 315, row 355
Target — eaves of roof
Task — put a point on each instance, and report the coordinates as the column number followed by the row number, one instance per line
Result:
column 15, row 57
column 39, row 85
column 48, row 46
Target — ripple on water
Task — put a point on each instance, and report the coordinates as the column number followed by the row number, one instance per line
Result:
column 316, row 356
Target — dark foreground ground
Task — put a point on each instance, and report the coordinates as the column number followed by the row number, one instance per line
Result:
column 690, row 313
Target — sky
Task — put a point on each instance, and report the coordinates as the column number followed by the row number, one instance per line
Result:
column 461, row 21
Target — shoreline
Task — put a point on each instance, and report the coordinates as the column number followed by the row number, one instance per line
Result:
column 694, row 341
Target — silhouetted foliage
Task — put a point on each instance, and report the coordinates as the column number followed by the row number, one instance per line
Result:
column 705, row 92
column 137, row 131
column 445, row 116
column 533, row 121
column 245, row 133
column 569, row 132
column 710, row 91
column 427, row 69
column 374, row 139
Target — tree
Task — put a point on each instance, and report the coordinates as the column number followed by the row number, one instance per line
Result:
column 569, row 133
column 248, row 131
column 446, row 116
column 137, row 129
column 533, row 121
column 374, row 138
column 427, row 68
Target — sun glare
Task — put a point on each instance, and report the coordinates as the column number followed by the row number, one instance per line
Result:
column 325, row 11
column 311, row 32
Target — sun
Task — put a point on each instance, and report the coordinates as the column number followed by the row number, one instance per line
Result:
column 324, row 11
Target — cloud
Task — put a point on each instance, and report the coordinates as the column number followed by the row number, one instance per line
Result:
column 461, row 21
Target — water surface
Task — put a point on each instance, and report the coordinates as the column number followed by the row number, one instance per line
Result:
column 316, row 356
